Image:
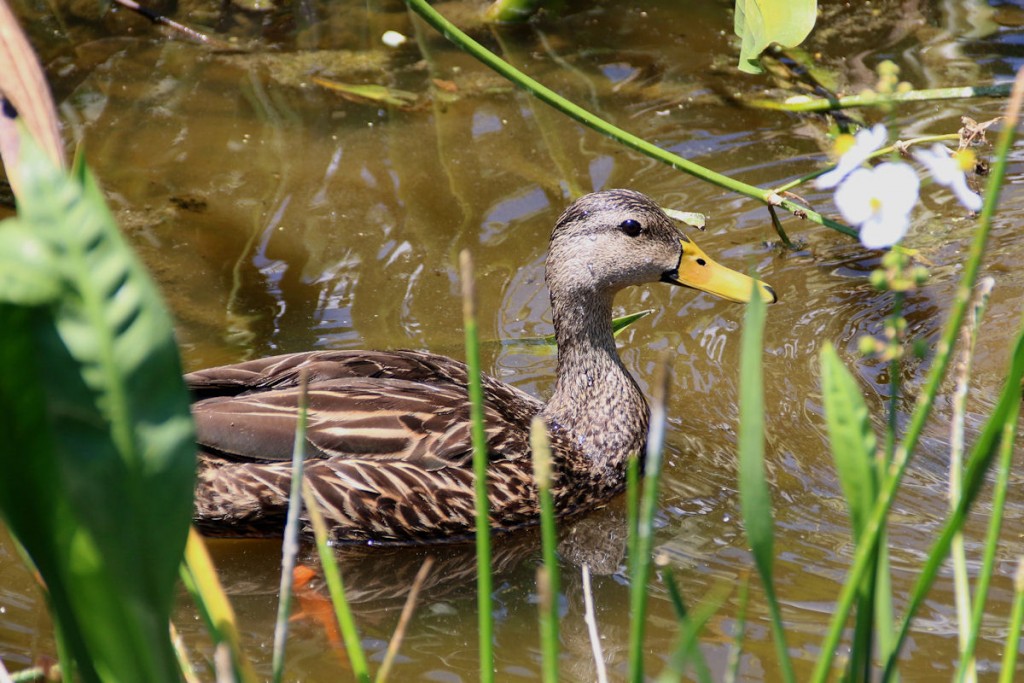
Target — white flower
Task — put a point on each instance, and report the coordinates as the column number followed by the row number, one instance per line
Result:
column 864, row 144
column 879, row 200
column 948, row 170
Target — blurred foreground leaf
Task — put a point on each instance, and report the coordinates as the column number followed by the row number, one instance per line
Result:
column 759, row 23
column 97, row 469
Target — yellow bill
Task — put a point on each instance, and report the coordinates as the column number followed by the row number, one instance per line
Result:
column 697, row 270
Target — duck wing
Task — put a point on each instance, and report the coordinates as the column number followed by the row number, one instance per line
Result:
column 278, row 372
column 398, row 406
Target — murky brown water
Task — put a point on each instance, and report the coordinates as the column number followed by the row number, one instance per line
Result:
column 278, row 217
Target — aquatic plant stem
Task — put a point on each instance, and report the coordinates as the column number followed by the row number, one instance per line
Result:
column 591, row 620
column 961, row 582
column 201, row 580
column 403, row 621
column 548, row 574
column 335, row 587
column 550, row 97
column 640, row 567
column 872, row 99
column 485, row 618
column 1016, row 622
column 732, row 668
column 988, row 561
column 290, row 542
column 940, row 364
column 885, row 151
column 755, row 498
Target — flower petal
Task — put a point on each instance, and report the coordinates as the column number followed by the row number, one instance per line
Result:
column 866, row 142
column 968, row 197
column 855, row 197
column 883, row 231
column 897, row 186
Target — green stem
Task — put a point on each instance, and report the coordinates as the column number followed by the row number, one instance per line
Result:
column 335, row 587
column 550, row 97
column 290, row 543
column 640, row 569
column 904, row 453
column 988, row 561
column 877, row 99
column 1013, row 633
column 485, row 618
column 779, row 229
column 541, row 447
column 885, row 151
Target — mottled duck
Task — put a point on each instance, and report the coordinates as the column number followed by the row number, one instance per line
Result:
column 388, row 440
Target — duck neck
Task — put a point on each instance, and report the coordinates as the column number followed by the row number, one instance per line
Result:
column 596, row 402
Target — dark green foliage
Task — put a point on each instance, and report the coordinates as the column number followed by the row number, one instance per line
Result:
column 98, row 461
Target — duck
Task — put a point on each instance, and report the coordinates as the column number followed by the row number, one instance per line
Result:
column 388, row 452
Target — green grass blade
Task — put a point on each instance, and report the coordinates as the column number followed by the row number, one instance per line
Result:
column 755, row 499
column 201, row 580
column 687, row 649
column 853, row 449
column 336, row 587
column 541, row 448
column 1013, row 633
column 640, row 569
column 853, row 441
column 988, row 562
column 732, row 671
column 982, row 454
column 290, row 542
column 485, row 610
column 862, row 560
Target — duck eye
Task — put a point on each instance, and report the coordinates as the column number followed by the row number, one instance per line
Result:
column 631, row 227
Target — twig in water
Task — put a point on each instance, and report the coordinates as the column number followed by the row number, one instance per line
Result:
column 968, row 335
column 403, row 620
column 187, row 31
column 591, row 620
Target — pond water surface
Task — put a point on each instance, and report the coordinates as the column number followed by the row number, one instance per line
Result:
column 278, row 216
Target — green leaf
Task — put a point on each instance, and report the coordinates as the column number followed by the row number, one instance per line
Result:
column 755, row 498
column 28, row 275
column 618, row 325
column 694, row 220
column 853, row 441
column 101, row 433
column 759, row 23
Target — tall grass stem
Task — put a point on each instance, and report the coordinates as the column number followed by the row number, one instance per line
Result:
column 290, row 542
column 961, row 582
column 485, row 618
column 201, row 580
column 336, row 587
column 1013, row 634
column 640, row 569
column 988, row 560
column 732, row 669
column 403, row 621
column 548, row 581
column 755, row 498
column 936, row 374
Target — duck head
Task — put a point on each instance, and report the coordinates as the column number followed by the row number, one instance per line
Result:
column 609, row 240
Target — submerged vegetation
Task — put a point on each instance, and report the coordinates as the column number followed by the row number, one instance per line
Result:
column 97, row 473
